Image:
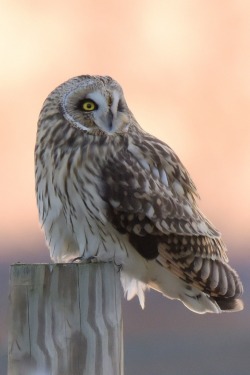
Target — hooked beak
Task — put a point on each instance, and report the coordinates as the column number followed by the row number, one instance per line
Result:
column 113, row 121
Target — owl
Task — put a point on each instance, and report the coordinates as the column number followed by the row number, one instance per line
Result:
column 110, row 192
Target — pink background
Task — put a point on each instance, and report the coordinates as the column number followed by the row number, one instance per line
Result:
column 185, row 70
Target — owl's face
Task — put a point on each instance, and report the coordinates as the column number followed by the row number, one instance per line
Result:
column 93, row 104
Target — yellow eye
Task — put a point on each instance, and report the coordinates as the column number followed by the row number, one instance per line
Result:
column 88, row 105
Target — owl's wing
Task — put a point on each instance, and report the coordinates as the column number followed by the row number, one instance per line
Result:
column 149, row 192
column 151, row 197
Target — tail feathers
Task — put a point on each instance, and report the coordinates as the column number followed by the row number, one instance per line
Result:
column 199, row 302
column 229, row 304
column 202, row 303
column 192, row 297
column 171, row 286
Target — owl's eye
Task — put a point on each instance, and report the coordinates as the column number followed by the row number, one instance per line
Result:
column 88, row 105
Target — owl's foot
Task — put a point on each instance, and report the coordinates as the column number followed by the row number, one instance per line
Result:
column 119, row 266
column 85, row 260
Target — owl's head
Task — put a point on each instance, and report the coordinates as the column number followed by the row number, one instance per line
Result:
column 93, row 104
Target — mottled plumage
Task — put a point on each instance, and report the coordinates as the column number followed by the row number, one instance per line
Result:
column 107, row 189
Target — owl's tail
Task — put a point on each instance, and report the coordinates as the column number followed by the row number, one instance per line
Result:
column 193, row 298
column 139, row 274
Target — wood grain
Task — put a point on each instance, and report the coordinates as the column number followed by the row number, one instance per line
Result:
column 65, row 319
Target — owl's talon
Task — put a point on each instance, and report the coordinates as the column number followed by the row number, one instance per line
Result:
column 81, row 259
column 119, row 266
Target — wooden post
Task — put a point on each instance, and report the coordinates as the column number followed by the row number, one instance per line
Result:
column 65, row 319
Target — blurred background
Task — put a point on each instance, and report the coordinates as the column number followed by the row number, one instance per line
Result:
column 185, row 70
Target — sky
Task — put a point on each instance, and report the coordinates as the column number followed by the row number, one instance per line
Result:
column 184, row 68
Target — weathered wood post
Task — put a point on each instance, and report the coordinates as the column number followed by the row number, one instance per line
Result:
column 65, row 319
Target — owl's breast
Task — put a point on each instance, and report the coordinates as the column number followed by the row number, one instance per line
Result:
column 72, row 211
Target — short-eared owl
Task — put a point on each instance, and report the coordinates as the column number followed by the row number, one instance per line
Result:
column 108, row 190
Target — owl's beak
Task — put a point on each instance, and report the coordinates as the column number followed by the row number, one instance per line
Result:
column 113, row 122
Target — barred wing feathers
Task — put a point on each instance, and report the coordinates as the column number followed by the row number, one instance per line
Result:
column 151, row 197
